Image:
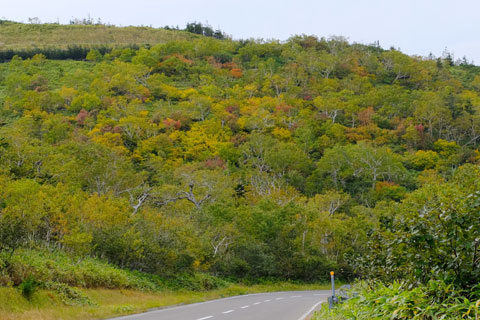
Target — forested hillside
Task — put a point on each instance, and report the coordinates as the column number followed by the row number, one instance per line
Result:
column 245, row 159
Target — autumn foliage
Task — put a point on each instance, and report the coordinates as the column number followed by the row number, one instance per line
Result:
column 245, row 159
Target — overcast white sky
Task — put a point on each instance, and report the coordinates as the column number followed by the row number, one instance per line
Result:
column 415, row 26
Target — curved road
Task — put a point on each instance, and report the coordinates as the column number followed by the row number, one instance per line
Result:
column 288, row 305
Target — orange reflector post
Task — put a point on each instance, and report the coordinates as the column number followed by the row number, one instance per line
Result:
column 332, row 298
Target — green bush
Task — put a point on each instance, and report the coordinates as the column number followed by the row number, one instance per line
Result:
column 57, row 269
column 435, row 300
column 432, row 234
column 70, row 296
column 197, row 282
column 28, row 287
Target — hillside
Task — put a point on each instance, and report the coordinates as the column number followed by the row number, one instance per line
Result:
column 245, row 160
column 20, row 36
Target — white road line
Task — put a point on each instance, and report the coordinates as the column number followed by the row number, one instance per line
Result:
column 306, row 314
column 279, row 298
column 267, row 300
column 204, row 318
column 244, row 307
column 295, row 296
column 228, row 311
column 256, row 303
column 192, row 305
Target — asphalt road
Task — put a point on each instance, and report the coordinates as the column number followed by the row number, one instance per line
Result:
column 289, row 305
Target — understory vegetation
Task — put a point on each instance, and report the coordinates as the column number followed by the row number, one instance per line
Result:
column 40, row 267
column 435, row 300
column 184, row 163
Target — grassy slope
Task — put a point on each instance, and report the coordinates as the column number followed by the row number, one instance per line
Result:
column 131, row 292
column 109, row 303
column 28, row 36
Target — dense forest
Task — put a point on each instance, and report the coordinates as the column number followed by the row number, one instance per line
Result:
column 246, row 159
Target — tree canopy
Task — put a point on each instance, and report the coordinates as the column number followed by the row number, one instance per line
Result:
column 246, row 159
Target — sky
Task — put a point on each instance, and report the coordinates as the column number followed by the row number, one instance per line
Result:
column 417, row 27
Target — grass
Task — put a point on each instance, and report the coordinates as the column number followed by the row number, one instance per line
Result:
column 30, row 36
column 47, row 304
column 47, row 283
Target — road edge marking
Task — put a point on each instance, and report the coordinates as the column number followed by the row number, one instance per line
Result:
column 306, row 314
column 189, row 305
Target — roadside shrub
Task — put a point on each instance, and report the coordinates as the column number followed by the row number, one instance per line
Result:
column 59, row 267
column 432, row 234
column 28, row 287
column 70, row 296
column 66, row 271
column 197, row 282
column 435, row 300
